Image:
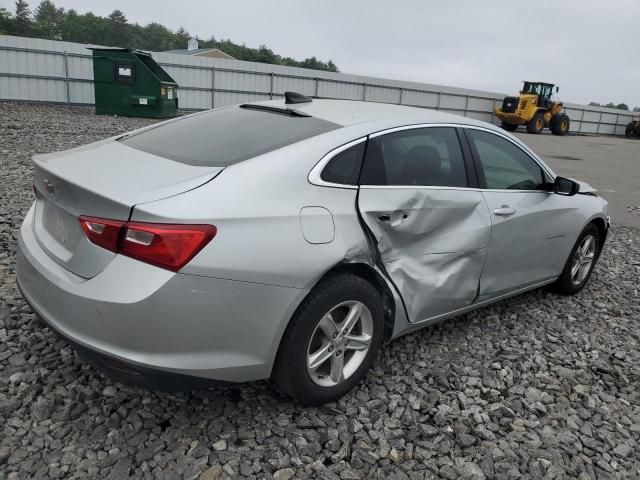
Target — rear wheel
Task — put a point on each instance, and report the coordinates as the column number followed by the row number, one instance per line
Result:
column 560, row 124
column 331, row 341
column 536, row 124
column 510, row 127
column 631, row 130
column 580, row 263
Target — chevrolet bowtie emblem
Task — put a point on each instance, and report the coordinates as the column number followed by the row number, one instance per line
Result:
column 49, row 185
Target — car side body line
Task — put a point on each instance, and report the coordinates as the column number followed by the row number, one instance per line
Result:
column 403, row 329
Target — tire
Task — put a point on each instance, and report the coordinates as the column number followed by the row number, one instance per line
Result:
column 560, row 124
column 305, row 335
column 536, row 124
column 567, row 283
column 630, row 131
column 509, row 127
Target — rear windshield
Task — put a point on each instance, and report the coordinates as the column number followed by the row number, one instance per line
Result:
column 225, row 136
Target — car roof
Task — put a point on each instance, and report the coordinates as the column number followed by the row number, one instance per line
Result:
column 350, row 112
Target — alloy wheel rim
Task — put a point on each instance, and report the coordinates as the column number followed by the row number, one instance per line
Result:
column 339, row 343
column 583, row 259
column 539, row 124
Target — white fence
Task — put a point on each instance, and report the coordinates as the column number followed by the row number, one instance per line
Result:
column 62, row 72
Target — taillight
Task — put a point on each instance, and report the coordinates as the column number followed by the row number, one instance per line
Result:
column 163, row 245
column 166, row 246
column 102, row 232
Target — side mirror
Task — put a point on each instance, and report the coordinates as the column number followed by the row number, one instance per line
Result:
column 564, row 186
column 557, row 89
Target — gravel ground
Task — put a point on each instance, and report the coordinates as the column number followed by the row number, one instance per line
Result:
column 540, row 386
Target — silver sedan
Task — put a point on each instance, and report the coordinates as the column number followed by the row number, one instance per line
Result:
column 290, row 239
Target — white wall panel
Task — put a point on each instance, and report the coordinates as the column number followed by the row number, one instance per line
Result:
column 609, row 118
column 346, row 91
column 591, row 116
column 607, row 129
column 300, row 85
column 453, row 102
column 481, row 104
column 239, row 82
column 420, row 99
column 80, row 67
column 383, row 94
column 223, row 98
column 81, row 92
column 485, row 117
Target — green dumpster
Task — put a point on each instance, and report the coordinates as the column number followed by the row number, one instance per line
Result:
column 131, row 83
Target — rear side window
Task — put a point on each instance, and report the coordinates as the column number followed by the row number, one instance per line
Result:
column 344, row 168
column 225, row 136
column 504, row 165
column 420, row 156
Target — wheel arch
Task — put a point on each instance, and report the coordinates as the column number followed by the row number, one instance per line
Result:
column 601, row 225
column 375, row 278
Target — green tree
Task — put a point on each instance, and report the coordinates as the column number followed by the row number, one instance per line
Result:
column 118, row 33
column 182, row 37
column 73, row 27
column 49, row 20
column 22, row 24
column 115, row 30
column 157, row 38
column 5, row 21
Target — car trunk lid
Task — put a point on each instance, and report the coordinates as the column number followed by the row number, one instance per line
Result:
column 105, row 179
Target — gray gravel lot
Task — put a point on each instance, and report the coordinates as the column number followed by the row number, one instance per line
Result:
column 540, row 386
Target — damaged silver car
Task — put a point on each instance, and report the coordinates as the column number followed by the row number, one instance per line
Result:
column 290, row 239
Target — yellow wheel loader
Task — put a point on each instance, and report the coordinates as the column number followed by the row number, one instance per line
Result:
column 535, row 109
column 633, row 129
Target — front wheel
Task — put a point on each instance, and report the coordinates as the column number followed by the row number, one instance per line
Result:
column 331, row 341
column 580, row 263
column 536, row 124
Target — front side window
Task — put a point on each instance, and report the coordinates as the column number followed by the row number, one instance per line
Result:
column 421, row 157
column 505, row 166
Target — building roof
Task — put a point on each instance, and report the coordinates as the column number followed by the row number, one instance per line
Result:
column 200, row 51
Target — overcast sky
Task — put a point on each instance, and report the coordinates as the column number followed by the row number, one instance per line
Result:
column 589, row 48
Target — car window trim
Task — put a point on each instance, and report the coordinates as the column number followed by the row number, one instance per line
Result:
column 468, row 174
column 470, row 165
column 480, row 168
column 314, row 174
column 315, row 177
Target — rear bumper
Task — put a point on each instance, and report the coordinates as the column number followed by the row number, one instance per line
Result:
column 133, row 374
column 148, row 323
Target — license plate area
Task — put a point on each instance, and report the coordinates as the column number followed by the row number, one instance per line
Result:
column 58, row 231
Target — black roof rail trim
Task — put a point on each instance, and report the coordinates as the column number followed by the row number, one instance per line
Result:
column 271, row 109
column 295, row 97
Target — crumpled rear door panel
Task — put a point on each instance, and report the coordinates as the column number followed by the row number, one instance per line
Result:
column 432, row 242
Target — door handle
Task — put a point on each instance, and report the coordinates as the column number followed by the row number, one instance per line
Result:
column 393, row 218
column 504, row 211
